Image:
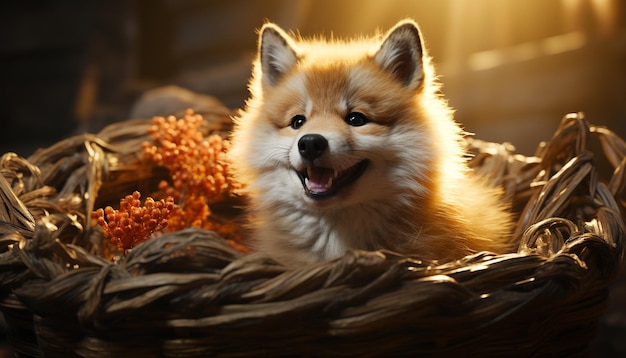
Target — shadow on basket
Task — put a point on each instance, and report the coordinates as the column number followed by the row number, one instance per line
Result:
column 65, row 292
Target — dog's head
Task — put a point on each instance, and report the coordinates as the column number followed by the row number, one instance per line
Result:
column 332, row 124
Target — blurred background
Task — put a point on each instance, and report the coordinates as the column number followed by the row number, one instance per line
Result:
column 510, row 68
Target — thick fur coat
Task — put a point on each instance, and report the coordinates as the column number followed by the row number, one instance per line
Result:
column 348, row 145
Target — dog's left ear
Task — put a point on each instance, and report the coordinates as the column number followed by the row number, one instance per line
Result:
column 401, row 54
column 276, row 54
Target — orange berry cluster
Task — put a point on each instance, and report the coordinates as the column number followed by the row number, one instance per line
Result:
column 193, row 212
column 198, row 168
column 133, row 224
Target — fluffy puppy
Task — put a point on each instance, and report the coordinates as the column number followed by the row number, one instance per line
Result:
column 347, row 145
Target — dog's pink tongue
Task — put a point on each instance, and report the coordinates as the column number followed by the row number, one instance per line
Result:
column 320, row 179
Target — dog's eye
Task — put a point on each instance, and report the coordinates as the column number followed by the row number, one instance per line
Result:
column 356, row 119
column 297, row 121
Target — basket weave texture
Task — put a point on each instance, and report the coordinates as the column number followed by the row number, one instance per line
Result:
column 188, row 293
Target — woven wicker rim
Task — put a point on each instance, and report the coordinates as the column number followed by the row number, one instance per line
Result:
column 188, row 293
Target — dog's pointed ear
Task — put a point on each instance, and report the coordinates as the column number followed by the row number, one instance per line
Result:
column 276, row 54
column 401, row 54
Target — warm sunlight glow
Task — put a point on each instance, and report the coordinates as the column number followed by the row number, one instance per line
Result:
column 563, row 43
column 553, row 45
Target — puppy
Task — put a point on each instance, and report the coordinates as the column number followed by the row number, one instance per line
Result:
column 347, row 145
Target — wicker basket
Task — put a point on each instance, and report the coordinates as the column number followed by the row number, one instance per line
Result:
column 187, row 293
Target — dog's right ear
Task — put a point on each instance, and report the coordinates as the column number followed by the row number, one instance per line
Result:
column 401, row 54
column 276, row 54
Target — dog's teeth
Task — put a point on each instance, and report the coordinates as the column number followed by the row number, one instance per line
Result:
column 306, row 183
column 336, row 173
column 309, row 169
column 330, row 182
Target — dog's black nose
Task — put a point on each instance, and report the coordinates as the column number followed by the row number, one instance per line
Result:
column 312, row 146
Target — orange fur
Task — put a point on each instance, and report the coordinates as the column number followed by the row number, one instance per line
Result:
column 400, row 178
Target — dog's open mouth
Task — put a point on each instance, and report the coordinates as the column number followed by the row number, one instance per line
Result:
column 320, row 183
